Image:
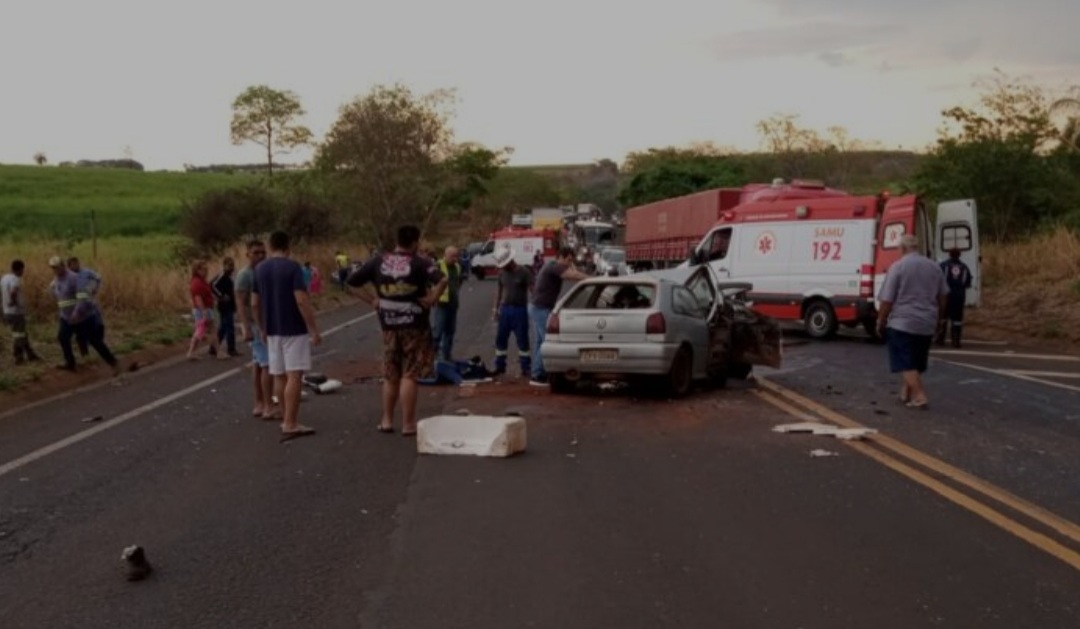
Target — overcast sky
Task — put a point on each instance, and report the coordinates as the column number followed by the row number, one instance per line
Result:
column 561, row 81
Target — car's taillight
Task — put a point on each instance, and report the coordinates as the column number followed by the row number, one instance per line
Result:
column 655, row 324
column 553, row 323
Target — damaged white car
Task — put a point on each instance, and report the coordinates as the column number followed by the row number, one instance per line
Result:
column 666, row 328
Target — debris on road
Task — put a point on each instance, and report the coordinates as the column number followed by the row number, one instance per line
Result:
column 827, row 430
column 320, row 384
column 95, row 418
column 819, row 452
column 476, row 435
column 138, row 567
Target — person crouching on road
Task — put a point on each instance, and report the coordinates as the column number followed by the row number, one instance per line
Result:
column 407, row 285
column 958, row 277
column 202, row 304
column 912, row 304
column 78, row 316
column 511, row 311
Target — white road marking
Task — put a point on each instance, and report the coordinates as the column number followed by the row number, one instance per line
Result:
column 1043, row 374
column 960, row 352
column 56, row 446
column 1009, row 374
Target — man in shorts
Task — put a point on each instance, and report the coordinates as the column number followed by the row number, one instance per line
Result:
column 286, row 321
column 260, row 359
column 407, row 285
column 913, row 300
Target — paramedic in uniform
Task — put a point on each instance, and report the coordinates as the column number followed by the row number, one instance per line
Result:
column 958, row 277
column 912, row 305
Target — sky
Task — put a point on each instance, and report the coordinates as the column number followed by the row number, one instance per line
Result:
column 560, row 81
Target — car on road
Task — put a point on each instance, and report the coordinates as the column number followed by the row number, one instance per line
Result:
column 665, row 328
column 611, row 261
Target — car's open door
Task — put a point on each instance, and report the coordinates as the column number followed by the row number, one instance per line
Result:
column 958, row 228
column 754, row 339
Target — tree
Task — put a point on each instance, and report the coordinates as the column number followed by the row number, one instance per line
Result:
column 40, row 159
column 395, row 156
column 1065, row 115
column 1001, row 152
column 798, row 151
column 670, row 172
column 267, row 117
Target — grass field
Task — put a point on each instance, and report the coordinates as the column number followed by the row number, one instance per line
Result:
column 55, row 202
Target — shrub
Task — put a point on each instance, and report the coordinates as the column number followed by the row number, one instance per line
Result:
column 218, row 218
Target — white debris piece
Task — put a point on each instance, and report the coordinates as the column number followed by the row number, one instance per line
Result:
column 817, row 428
column 820, row 452
column 476, row 435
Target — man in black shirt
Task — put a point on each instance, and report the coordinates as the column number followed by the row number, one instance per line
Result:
column 407, row 285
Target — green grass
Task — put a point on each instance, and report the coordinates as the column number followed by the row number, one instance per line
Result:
column 56, row 202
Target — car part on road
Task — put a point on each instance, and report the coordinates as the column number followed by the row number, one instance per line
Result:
column 138, row 568
column 828, row 430
column 475, row 435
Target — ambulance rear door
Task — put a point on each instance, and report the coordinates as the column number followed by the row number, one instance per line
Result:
column 958, row 228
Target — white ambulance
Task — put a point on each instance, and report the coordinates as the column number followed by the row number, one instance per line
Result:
column 822, row 261
column 523, row 242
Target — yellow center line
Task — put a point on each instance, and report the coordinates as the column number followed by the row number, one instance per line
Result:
column 1035, row 512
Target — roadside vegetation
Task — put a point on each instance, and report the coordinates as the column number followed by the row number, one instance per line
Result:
column 392, row 157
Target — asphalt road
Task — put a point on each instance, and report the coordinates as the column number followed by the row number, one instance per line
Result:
column 622, row 513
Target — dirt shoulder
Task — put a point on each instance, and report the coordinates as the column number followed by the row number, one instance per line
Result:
column 160, row 343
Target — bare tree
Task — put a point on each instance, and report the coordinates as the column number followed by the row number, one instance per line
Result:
column 267, row 117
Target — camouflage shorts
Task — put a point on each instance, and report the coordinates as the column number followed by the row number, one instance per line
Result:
column 408, row 353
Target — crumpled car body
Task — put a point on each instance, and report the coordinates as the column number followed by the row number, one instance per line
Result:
column 670, row 328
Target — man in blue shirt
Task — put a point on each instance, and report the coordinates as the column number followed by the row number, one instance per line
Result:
column 79, row 316
column 286, row 321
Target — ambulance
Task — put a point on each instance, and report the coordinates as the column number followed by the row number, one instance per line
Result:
column 523, row 242
column 822, row 261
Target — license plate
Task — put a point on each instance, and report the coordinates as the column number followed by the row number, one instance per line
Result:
column 599, row 355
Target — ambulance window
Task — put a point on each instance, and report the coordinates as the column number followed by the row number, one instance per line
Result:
column 718, row 246
column 894, row 232
column 956, row 237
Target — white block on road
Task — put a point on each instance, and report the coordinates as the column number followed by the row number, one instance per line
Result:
column 475, row 435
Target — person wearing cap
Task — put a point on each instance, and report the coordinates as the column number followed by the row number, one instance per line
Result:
column 13, row 305
column 912, row 302
column 958, row 277
column 511, row 310
column 90, row 281
column 78, row 315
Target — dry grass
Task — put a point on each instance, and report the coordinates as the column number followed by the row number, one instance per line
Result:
column 144, row 296
column 1033, row 288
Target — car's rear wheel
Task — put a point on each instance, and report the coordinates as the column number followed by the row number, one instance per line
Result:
column 681, row 375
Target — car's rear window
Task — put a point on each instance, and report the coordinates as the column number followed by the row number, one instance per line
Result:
column 615, row 296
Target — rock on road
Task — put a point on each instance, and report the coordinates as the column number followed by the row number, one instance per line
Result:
column 622, row 513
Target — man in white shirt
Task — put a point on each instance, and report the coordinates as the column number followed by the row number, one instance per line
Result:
column 13, row 305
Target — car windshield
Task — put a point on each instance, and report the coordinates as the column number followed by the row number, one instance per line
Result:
column 615, row 296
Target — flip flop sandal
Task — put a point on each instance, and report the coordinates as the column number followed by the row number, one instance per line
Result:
column 293, row 434
column 922, row 406
column 385, row 429
column 408, row 434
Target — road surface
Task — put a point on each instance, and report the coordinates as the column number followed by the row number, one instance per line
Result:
column 622, row 513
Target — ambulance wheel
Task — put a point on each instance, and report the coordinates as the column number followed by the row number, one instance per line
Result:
column 820, row 320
